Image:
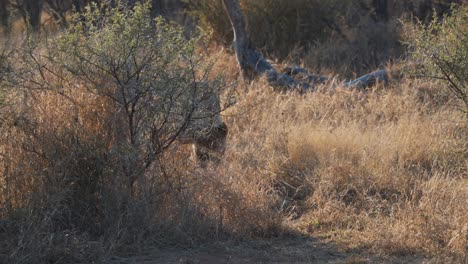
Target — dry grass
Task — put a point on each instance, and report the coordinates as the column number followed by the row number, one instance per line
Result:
column 381, row 172
column 384, row 170
column 64, row 195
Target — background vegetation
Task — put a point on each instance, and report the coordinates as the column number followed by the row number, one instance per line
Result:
column 91, row 169
column 441, row 51
column 342, row 37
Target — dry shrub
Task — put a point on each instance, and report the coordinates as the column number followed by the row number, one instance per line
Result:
column 440, row 49
column 89, row 167
column 59, row 189
column 65, row 195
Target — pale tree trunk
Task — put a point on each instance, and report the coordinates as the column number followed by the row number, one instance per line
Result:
column 252, row 64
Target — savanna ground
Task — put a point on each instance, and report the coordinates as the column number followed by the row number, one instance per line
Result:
column 331, row 176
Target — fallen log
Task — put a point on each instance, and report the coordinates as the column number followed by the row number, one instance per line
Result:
column 371, row 79
column 252, row 64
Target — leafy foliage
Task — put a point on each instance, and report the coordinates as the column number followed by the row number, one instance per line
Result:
column 140, row 64
column 441, row 51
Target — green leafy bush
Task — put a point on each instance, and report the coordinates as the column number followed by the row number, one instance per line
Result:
column 143, row 65
column 440, row 50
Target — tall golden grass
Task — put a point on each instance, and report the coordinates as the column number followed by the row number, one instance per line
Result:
column 384, row 170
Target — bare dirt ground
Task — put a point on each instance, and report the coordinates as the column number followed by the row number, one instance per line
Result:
column 284, row 250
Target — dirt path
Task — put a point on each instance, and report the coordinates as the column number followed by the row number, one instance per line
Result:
column 294, row 250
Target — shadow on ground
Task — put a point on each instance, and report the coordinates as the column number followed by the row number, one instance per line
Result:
column 287, row 249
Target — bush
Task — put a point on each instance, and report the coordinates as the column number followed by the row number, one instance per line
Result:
column 440, row 50
column 87, row 140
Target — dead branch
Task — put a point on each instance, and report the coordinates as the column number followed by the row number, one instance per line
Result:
column 252, row 64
